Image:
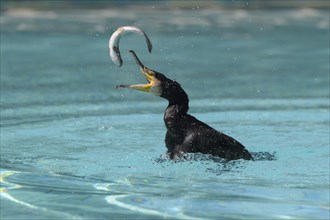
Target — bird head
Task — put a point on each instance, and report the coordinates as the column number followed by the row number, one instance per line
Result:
column 158, row 84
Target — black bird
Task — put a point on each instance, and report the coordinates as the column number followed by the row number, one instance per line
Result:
column 185, row 133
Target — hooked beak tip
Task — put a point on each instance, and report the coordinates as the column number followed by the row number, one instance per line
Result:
column 120, row 86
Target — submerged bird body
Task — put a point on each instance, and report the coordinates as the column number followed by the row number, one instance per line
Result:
column 194, row 136
column 185, row 133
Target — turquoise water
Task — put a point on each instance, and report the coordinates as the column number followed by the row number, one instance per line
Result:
column 74, row 147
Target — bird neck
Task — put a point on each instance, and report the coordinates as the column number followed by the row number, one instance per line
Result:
column 178, row 107
column 174, row 113
column 179, row 103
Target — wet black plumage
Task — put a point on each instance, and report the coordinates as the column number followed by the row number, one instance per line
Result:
column 185, row 133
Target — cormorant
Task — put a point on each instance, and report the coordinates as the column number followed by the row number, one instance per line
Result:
column 185, row 133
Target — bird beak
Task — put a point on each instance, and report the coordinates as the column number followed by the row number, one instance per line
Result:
column 153, row 85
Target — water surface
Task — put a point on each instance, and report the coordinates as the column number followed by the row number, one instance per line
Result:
column 73, row 147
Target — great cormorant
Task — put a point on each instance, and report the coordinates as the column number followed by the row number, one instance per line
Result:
column 185, row 133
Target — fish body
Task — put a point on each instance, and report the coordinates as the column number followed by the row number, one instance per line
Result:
column 114, row 51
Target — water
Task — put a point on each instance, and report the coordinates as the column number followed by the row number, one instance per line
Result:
column 73, row 147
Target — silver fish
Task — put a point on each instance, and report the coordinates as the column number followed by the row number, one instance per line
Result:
column 114, row 42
